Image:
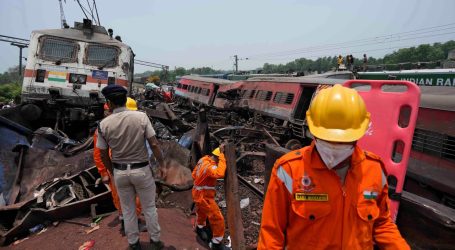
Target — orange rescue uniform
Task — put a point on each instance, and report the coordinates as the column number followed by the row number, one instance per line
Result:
column 205, row 174
column 307, row 206
column 104, row 172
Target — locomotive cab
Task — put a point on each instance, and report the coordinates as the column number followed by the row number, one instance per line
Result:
column 65, row 72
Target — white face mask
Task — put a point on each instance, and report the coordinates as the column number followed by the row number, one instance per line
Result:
column 333, row 154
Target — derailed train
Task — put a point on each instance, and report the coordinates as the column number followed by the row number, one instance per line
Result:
column 279, row 104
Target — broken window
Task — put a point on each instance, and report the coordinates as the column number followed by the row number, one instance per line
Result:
column 58, row 49
column 101, row 55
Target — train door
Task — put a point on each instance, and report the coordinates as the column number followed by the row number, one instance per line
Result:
column 304, row 102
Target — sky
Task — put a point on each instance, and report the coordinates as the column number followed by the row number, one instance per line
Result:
column 197, row 33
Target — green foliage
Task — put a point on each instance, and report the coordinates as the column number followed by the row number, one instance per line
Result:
column 11, row 76
column 10, row 85
column 180, row 71
column 421, row 53
column 9, row 91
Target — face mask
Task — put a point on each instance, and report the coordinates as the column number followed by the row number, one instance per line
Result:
column 332, row 154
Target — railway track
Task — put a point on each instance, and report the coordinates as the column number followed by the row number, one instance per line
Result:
column 259, row 193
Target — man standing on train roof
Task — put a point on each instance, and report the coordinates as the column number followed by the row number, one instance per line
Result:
column 125, row 132
column 107, row 177
column 339, row 62
column 208, row 169
column 331, row 194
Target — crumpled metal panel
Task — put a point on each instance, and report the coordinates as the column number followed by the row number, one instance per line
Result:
column 16, row 219
column 42, row 165
column 9, row 138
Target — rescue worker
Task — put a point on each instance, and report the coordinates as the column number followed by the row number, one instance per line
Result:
column 339, row 62
column 125, row 132
column 106, row 176
column 331, row 194
column 208, row 169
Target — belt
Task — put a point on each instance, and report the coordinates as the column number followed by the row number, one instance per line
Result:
column 203, row 188
column 124, row 166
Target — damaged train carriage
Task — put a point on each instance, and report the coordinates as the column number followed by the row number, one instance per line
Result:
column 277, row 104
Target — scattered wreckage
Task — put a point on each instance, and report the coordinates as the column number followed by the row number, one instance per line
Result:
column 48, row 177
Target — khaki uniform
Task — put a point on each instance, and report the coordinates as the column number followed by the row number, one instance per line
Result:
column 125, row 133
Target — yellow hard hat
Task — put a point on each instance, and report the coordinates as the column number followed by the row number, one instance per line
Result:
column 338, row 114
column 216, row 152
column 131, row 104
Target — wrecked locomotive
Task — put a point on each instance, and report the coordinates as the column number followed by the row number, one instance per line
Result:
column 66, row 70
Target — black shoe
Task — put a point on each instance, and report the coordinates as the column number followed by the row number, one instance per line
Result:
column 218, row 246
column 156, row 245
column 208, row 231
column 136, row 246
column 202, row 233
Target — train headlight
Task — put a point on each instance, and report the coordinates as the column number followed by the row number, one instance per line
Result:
column 78, row 79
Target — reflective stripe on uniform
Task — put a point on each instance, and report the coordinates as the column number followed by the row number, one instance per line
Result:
column 285, row 178
column 203, row 188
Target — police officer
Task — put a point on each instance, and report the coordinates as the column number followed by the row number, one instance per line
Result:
column 125, row 132
column 331, row 194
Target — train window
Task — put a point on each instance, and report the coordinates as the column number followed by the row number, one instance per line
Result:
column 208, row 92
column 184, row 86
column 260, row 96
column 283, row 98
column 199, row 90
column 190, row 88
column 279, row 97
column 58, row 50
column 289, row 98
column 434, row 143
column 101, row 55
column 264, row 95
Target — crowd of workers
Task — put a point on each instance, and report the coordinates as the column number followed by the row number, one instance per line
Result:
column 329, row 195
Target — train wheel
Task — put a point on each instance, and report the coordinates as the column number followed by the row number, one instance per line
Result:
column 31, row 112
column 293, row 144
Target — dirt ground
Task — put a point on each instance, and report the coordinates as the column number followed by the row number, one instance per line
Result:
column 176, row 233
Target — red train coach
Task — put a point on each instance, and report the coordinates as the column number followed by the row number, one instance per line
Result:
column 283, row 98
column 198, row 89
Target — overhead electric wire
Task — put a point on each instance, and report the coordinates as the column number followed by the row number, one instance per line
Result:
column 399, row 36
column 316, row 55
column 310, row 52
column 398, row 39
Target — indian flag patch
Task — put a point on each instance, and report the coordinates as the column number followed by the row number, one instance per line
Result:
column 55, row 76
column 369, row 195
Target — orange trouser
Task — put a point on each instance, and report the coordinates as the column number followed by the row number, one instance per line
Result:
column 207, row 208
column 116, row 199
